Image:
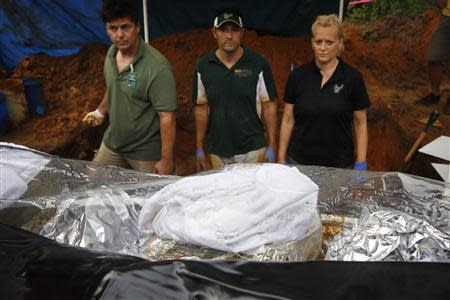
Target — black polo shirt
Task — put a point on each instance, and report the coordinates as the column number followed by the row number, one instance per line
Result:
column 323, row 130
column 234, row 98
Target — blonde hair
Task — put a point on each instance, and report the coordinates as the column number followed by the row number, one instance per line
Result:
column 330, row 21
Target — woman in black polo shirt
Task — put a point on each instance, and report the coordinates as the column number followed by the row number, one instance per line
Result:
column 325, row 102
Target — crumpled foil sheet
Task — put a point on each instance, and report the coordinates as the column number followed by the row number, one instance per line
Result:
column 390, row 235
column 386, row 217
column 381, row 215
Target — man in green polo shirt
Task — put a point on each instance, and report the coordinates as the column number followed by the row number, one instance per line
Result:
column 233, row 90
column 140, row 98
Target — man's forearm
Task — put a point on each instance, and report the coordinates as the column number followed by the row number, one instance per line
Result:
column 270, row 120
column 201, row 123
column 103, row 106
column 168, row 132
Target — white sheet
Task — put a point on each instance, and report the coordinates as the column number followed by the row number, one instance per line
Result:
column 236, row 210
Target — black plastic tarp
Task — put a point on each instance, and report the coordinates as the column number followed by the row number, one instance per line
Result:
column 34, row 267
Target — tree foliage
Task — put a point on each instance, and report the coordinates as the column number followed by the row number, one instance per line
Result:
column 374, row 10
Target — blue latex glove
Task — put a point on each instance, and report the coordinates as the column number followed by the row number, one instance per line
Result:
column 199, row 153
column 203, row 162
column 270, row 155
column 360, row 174
column 360, row 165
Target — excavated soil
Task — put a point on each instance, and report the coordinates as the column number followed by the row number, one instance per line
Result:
column 390, row 54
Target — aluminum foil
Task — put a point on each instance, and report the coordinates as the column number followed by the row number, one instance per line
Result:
column 386, row 216
column 390, row 235
column 379, row 215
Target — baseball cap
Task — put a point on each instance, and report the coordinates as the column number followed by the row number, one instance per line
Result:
column 227, row 16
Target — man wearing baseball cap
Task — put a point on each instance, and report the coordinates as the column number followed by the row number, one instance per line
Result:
column 234, row 95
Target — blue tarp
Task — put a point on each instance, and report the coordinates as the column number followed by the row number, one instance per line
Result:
column 51, row 27
column 61, row 27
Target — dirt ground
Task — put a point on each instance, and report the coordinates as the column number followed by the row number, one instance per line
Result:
column 390, row 54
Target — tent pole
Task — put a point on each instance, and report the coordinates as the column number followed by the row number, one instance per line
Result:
column 144, row 5
column 341, row 10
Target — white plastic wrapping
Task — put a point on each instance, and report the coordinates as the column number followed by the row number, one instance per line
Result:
column 17, row 169
column 236, row 210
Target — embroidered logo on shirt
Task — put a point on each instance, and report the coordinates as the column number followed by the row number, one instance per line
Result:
column 132, row 77
column 338, row 88
column 243, row 72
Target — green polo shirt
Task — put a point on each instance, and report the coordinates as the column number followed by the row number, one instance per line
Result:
column 135, row 96
column 234, row 98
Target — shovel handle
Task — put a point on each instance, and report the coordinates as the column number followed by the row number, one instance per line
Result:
column 414, row 147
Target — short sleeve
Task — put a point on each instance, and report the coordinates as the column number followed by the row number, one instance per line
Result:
column 162, row 92
column 359, row 96
column 290, row 90
column 198, row 89
column 266, row 84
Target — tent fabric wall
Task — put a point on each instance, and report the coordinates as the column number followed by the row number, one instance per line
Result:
column 286, row 18
column 61, row 27
column 54, row 27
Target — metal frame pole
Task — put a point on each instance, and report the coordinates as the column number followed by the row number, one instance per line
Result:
column 341, row 10
column 144, row 5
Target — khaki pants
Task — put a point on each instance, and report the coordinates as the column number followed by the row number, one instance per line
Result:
column 105, row 156
column 256, row 156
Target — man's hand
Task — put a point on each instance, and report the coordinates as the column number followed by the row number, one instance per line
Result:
column 164, row 167
column 203, row 162
column 94, row 118
column 270, row 155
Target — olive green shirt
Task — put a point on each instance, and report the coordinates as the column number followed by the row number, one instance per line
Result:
column 234, row 98
column 135, row 95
